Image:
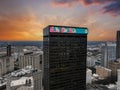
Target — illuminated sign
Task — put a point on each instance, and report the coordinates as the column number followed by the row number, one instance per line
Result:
column 58, row 29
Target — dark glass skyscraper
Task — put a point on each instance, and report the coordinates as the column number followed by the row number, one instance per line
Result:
column 65, row 51
column 118, row 45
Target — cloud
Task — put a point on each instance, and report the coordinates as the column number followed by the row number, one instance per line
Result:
column 20, row 27
column 91, row 2
column 97, row 30
column 64, row 3
column 113, row 8
column 70, row 3
column 110, row 6
column 29, row 27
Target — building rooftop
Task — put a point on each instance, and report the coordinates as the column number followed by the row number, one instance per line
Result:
column 33, row 53
column 28, row 81
column 24, row 71
column 105, row 68
column 23, row 77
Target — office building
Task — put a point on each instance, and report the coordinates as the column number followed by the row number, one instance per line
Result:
column 118, row 45
column 65, row 50
column 91, row 61
column 8, row 50
column 104, row 60
column 114, row 65
column 111, row 51
column 108, row 51
column 6, row 62
column 89, row 76
column 31, row 58
column 103, row 72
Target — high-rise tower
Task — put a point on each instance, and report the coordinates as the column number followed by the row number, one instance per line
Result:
column 65, row 51
column 118, row 45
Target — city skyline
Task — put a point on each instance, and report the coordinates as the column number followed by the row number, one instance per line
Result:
column 25, row 19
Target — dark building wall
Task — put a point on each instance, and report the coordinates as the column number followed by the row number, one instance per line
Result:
column 118, row 45
column 8, row 50
column 64, row 61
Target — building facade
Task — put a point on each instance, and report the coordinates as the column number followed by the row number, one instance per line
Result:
column 89, row 76
column 91, row 61
column 65, row 50
column 103, row 72
column 104, row 60
column 6, row 61
column 6, row 64
column 114, row 65
column 111, row 51
column 118, row 45
column 33, row 59
column 108, row 51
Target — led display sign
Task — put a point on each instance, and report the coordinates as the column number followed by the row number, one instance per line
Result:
column 57, row 29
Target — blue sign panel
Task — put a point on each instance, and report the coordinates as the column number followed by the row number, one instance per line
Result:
column 68, row 30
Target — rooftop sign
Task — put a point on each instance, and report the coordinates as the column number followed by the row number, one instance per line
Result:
column 58, row 29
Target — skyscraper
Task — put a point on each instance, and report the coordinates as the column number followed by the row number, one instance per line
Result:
column 111, row 51
column 8, row 50
column 118, row 45
column 108, row 51
column 65, row 51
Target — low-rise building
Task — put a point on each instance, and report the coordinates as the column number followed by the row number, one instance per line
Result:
column 114, row 65
column 91, row 61
column 6, row 64
column 103, row 72
column 31, row 58
column 89, row 76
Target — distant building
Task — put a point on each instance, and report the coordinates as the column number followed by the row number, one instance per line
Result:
column 89, row 76
column 9, row 50
column 31, row 58
column 111, row 51
column 108, row 52
column 65, row 51
column 103, row 72
column 104, row 60
column 118, row 45
column 6, row 62
column 25, row 79
column 91, row 61
column 114, row 65
column 118, row 79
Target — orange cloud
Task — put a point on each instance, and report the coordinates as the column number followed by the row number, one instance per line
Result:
column 102, row 35
column 97, row 31
column 29, row 27
column 20, row 27
column 110, row 6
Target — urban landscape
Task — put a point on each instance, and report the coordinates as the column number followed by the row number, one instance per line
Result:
column 59, row 44
column 22, row 65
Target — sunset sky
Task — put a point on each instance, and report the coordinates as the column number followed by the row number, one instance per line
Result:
column 25, row 19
